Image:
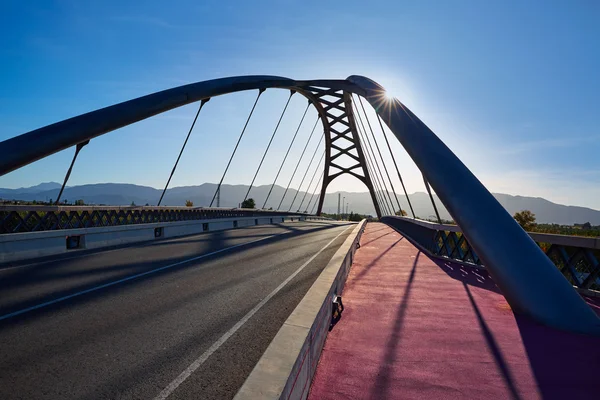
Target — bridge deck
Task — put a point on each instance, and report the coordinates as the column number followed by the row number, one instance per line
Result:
column 415, row 327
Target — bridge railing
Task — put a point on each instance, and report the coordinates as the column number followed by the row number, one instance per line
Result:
column 577, row 257
column 27, row 218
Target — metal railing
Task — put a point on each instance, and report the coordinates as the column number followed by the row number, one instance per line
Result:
column 19, row 219
column 577, row 257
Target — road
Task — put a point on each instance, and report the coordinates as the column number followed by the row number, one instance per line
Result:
column 181, row 318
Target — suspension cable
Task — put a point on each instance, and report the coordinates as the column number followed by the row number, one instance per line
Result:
column 384, row 185
column 204, row 101
column 309, row 184
column 313, row 194
column 379, row 151
column 68, row 174
column 270, row 141
column 299, row 160
column 371, row 156
column 313, row 207
column 375, row 178
column 260, row 91
column 305, row 172
column 286, row 154
column 373, row 160
column 396, row 165
column 437, row 214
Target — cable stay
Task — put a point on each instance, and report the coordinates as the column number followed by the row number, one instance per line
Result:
column 306, row 172
column 313, row 194
column 371, row 157
column 309, row 184
column 396, row 165
column 260, row 91
column 299, row 160
column 286, row 153
column 181, row 151
column 375, row 179
column 379, row 152
column 373, row 161
column 78, row 148
column 270, row 141
column 437, row 214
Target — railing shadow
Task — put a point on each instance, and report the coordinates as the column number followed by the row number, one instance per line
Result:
column 494, row 348
column 468, row 275
column 384, row 375
column 565, row 365
column 28, row 279
column 368, row 267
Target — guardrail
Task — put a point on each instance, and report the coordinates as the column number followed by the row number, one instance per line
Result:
column 19, row 219
column 18, row 247
column 577, row 257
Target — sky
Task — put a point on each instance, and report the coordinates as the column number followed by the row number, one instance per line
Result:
column 512, row 87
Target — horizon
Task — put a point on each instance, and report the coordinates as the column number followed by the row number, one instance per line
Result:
column 517, row 106
column 291, row 188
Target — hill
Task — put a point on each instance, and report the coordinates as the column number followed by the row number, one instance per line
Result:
column 231, row 195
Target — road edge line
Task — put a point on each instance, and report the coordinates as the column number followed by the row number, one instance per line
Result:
column 287, row 367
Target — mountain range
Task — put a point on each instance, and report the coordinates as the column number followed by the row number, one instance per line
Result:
column 232, row 195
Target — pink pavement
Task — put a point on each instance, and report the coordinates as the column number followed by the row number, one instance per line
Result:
column 420, row 328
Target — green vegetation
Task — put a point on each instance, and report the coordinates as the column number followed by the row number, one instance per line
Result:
column 189, row 203
column 401, row 213
column 355, row 217
column 249, row 203
column 526, row 219
column 571, row 230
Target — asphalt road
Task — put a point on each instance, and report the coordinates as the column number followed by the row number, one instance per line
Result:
column 180, row 319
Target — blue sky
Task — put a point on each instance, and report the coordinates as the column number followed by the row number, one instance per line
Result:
column 512, row 87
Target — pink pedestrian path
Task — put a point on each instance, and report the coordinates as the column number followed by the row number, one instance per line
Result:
column 421, row 328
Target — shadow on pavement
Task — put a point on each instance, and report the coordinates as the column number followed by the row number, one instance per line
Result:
column 21, row 279
column 385, row 373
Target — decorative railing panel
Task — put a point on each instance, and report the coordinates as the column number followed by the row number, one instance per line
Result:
column 19, row 219
column 578, row 258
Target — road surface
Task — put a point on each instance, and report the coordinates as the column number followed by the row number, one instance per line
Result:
column 180, row 319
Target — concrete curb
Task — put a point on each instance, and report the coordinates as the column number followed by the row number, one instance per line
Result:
column 286, row 368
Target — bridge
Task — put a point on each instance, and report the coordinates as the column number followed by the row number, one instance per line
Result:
column 214, row 302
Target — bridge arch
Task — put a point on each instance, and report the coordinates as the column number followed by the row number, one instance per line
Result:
column 511, row 256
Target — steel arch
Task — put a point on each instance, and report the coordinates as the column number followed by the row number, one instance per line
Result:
column 487, row 225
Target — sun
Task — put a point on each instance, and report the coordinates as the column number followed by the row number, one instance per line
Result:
column 388, row 96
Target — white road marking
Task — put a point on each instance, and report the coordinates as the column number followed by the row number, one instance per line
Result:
column 129, row 278
column 215, row 346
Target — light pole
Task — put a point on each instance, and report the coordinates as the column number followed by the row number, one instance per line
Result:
column 343, row 202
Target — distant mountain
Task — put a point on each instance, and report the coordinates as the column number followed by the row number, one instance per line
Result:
column 232, row 195
column 42, row 187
